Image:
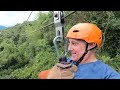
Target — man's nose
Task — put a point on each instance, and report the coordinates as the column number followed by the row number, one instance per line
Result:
column 70, row 48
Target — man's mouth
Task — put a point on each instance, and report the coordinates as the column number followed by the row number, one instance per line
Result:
column 73, row 53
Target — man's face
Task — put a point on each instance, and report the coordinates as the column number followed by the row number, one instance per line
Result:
column 77, row 48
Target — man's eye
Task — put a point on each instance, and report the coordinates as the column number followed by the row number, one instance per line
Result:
column 74, row 43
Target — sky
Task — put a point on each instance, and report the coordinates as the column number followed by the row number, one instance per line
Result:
column 11, row 18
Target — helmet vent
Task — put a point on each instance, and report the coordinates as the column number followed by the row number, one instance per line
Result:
column 76, row 31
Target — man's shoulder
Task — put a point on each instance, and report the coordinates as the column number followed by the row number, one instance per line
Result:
column 109, row 72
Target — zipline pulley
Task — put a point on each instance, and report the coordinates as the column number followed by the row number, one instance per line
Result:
column 59, row 24
column 59, row 28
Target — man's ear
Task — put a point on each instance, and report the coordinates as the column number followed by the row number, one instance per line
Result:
column 91, row 46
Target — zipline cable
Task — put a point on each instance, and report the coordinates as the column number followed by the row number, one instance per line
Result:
column 52, row 23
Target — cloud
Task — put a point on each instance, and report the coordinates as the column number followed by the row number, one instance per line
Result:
column 11, row 18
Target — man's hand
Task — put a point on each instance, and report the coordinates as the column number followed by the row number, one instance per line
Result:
column 62, row 71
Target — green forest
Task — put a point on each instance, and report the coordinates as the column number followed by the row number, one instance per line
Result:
column 27, row 48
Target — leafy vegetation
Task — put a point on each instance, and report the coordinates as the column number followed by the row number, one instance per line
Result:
column 26, row 49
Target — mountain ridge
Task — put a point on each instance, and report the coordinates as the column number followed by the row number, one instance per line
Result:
column 2, row 27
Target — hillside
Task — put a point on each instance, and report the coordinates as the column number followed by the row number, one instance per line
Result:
column 2, row 27
column 26, row 49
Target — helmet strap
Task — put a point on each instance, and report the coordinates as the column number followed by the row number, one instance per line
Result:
column 81, row 58
column 86, row 51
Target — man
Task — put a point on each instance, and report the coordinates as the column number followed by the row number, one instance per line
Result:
column 83, row 39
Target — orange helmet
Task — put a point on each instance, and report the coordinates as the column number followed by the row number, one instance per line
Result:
column 86, row 31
